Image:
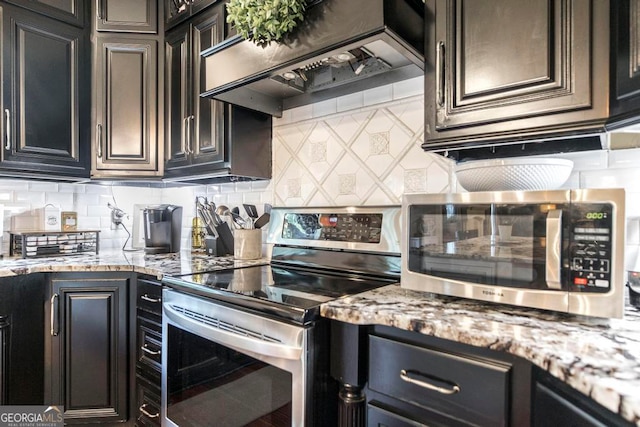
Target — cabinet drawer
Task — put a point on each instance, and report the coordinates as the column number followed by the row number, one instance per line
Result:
column 148, row 404
column 149, row 296
column 149, row 342
column 470, row 390
column 378, row 417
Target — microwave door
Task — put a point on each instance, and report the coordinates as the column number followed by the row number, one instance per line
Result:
column 553, row 259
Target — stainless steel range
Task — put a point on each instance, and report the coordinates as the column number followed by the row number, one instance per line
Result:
column 248, row 345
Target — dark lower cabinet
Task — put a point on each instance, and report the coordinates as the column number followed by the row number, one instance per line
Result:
column 87, row 343
column 148, row 351
column 556, row 404
column 22, row 326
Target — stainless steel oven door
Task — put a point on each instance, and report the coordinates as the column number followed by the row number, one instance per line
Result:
column 225, row 366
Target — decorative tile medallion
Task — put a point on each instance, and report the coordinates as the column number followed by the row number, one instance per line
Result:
column 379, row 143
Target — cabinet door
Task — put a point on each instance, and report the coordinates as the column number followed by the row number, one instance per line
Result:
column 22, row 370
column 126, row 104
column 625, row 24
column 501, row 68
column 89, row 351
column 208, row 115
column 134, row 16
column 45, row 94
column 177, row 96
column 70, row 11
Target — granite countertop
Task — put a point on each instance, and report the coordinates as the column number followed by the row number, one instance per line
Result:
column 598, row 357
column 184, row 262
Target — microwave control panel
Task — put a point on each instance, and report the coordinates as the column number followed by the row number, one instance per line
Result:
column 591, row 231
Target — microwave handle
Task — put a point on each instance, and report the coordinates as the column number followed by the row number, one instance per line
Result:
column 554, row 247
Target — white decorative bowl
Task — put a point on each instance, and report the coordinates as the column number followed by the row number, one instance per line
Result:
column 522, row 173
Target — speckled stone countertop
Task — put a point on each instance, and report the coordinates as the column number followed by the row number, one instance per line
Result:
column 180, row 263
column 598, row 357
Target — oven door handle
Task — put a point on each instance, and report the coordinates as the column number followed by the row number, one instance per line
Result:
column 234, row 340
column 553, row 259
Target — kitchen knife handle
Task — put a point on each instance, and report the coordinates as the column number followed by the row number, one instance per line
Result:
column 440, row 68
column 99, row 140
column 405, row 376
column 7, row 115
column 54, row 315
column 554, row 246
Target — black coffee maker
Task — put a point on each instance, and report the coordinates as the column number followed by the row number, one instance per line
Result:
column 162, row 229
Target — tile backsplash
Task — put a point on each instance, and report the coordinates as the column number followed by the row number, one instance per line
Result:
column 359, row 149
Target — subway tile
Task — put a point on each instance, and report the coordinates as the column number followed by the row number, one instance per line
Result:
column 350, row 102
column 64, row 200
column 88, row 223
column 14, row 184
column 35, row 198
column 378, row 95
column 243, row 186
column 628, row 179
column 50, row 187
column 98, row 189
column 409, row 87
column 301, row 113
column 87, row 199
column 324, row 108
column 96, row 211
column 71, row 188
column 585, row 160
column 622, row 159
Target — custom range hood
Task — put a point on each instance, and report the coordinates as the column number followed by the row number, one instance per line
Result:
column 341, row 47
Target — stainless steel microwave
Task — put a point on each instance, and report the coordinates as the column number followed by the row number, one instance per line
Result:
column 560, row 250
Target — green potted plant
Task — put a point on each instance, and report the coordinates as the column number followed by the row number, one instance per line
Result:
column 264, row 21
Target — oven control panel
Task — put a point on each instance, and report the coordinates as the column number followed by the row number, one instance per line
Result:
column 338, row 227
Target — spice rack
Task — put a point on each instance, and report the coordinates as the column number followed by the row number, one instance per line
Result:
column 31, row 244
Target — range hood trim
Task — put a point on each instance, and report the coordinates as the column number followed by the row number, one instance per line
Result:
column 378, row 28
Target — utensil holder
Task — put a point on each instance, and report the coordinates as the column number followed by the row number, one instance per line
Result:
column 247, row 244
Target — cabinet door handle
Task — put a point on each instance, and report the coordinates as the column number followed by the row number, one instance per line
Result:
column 145, row 297
column 7, row 115
column 99, row 9
column 404, row 376
column 185, row 123
column 440, row 69
column 190, row 124
column 54, row 315
column 151, row 352
column 99, row 140
column 147, row 413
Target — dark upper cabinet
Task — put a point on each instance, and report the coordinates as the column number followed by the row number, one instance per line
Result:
column 504, row 70
column 71, row 11
column 625, row 62
column 207, row 138
column 45, row 96
column 133, row 16
column 87, row 368
column 126, row 143
column 177, row 11
column 193, row 125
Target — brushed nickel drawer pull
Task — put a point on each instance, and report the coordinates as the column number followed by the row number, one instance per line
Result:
column 99, row 140
column 54, row 315
column 151, row 352
column 404, row 376
column 7, row 114
column 145, row 297
column 147, row 413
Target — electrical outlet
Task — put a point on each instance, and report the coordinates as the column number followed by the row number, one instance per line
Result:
column 116, row 216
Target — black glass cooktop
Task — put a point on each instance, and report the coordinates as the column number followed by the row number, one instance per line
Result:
column 289, row 293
